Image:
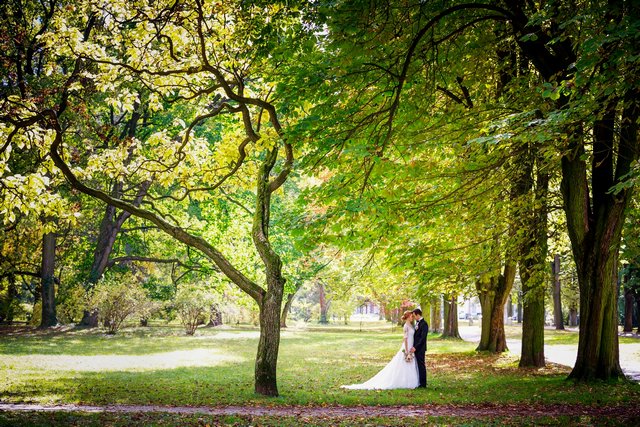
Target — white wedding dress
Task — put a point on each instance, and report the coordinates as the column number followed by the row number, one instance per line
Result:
column 397, row 374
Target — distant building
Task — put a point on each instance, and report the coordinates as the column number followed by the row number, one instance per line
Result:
column 368, row 307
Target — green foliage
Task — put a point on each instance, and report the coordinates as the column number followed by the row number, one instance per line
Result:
column 118, row 298
column 71, row 303
column 192, row 305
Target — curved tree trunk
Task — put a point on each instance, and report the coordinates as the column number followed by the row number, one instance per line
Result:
column 286, row 309
column 287, row 305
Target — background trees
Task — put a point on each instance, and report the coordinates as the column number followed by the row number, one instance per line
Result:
column 436, row 145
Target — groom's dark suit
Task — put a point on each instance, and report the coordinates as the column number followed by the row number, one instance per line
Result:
column 420, row 344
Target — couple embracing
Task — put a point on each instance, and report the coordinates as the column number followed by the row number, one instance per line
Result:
column 407, row 368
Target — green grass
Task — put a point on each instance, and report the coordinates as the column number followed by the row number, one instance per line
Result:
column 31, row 419
column 160, row 365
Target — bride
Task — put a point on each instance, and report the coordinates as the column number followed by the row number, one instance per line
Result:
column 402, row 370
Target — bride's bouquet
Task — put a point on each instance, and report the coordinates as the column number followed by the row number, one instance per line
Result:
column 408, row 356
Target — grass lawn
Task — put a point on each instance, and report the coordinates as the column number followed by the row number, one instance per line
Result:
column 124, row 420
column 160, row 365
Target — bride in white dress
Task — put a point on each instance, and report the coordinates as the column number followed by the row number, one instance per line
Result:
column 399, row 373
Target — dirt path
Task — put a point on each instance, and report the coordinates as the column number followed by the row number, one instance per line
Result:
column 469, row 411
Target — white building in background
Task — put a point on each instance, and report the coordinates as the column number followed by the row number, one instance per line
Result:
column 367, row 307
column 367, row 311
column 469, row 308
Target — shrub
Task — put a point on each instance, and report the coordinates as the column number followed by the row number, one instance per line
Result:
column 117, row 299
column 36, row 314
column 192, row 306
column 73, row 302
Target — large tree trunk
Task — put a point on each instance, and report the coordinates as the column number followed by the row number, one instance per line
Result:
column 48, row 281
column 436, row 315
column 594, row 218
column 269, row 343
column 450, row 329
column 493, row 296
column 533, row 266
column 557, row 302
column 595, row 229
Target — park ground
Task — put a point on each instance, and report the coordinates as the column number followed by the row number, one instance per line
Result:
column 159, row 376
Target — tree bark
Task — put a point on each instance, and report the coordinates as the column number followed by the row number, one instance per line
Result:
column 557, row 302
column 269, row 343
column 48, row 281
column 493, row 294
column 270, row 302
column 533, row 272
column 436, row 315
column 451, row 317
column 595, row 215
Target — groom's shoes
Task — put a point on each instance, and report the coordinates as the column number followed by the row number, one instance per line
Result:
column 422, row 386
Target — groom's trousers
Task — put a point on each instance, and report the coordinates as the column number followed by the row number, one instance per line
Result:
column 422, row 369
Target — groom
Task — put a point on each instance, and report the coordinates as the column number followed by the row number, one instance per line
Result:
column 420, row 346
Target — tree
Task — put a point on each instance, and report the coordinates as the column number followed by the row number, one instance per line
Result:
column 588, row 97
column 222, row 87
column 450, row 329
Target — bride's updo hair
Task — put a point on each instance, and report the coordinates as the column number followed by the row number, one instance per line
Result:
column 406, row 315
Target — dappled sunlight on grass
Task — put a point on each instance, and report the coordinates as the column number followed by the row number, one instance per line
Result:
column 167, row 360
column 163, row 366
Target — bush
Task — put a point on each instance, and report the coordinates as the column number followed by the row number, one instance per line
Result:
column 73, row 302
column 117, row 299
column 147, row 310
column 192, row 306
column 36, row 314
